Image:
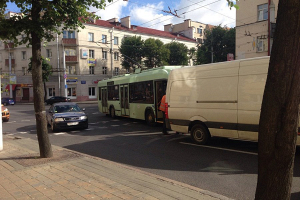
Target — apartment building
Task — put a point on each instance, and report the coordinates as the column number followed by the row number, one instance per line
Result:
column 188, row 28
column 255, row 26
column 79, row 59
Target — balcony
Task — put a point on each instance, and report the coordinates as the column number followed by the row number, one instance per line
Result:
column 69, row 41
column 70, row 59
column 7, row 62
column 9, row 46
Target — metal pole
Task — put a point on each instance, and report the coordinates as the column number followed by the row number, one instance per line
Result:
column 111, row 50
column 1, row 132
column 58, row 65
column 65, row 79
column 212, row 48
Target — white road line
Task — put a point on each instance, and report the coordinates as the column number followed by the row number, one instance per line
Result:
column 60, row 133
column 25, row 120
column 115, row 125
column 22, row 132
column 10, row 122
column 210, row 147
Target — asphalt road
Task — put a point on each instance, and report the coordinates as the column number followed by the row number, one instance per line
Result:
column 226, row 167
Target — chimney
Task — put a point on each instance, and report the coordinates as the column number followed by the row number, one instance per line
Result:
column 125, row 21
column 113, row 20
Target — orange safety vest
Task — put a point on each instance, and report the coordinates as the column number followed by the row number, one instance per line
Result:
column 162, row 106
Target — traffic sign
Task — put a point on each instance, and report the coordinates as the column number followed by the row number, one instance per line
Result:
column 65, row 76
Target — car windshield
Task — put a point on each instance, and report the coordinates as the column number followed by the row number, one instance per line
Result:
column 66, row 108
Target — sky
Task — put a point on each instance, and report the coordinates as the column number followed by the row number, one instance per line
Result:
column 155, row 13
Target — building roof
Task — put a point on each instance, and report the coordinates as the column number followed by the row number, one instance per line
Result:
column 141, row 30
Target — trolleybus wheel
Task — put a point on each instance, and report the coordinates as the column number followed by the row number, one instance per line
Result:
column 150, row 119
column 200, row 134
column 112, row 112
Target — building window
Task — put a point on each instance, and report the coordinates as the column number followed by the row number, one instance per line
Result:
column 104, row 70
column 24, row 70
column 51, row 92
column 23, row 55
column 68, row 34
column 104, row 37
column 262, row 44
column 262, row 12
column 71, row 92
column 116, row 70
column 70, row 70
column 104, row 55
column 116, row 55
column 199, row 40
column 91, row 54
column 91, row 37
column 199, row 30
column 92, row 69
column 70, row 52
column 92, row 92
column 11, row 55
column 116, row 40
column 49, row 53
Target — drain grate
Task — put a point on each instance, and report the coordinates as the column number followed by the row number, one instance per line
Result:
column 34, row 159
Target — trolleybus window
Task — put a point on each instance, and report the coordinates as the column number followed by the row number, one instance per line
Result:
column 113, row 92
column 141, row 92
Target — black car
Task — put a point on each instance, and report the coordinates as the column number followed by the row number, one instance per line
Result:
column 57, row 99
column 7, row 101
column 66, row 115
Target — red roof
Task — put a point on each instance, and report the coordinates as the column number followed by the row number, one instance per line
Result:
column 142, row 30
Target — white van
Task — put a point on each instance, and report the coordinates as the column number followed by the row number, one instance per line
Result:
column 220, row 99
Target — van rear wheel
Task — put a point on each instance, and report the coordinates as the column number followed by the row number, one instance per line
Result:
column 200, row 134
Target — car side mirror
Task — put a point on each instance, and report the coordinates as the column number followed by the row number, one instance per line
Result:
column 83, row 109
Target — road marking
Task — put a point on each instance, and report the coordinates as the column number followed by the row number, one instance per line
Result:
column 60, row 133
column 22, row 132
column 94, row 123
column 25, row 120
column 115, row 125
column 95, row 113
column 10, row 122
column 219, row 148
column 89, row 129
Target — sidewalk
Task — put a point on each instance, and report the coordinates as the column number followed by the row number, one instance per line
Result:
column 73, row 175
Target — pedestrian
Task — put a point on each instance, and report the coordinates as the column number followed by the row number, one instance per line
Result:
column 162, row 107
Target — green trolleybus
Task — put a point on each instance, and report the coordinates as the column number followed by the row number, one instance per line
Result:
column 135, row 95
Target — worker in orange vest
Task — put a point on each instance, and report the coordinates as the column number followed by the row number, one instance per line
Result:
column 162, row 107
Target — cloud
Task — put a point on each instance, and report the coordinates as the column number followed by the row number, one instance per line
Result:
column 112, row 10
column 212, row 12
column 149, row 15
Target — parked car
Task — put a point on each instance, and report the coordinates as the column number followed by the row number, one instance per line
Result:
column 57, row 99
column 66, row 115
column 5, row 113
column 7, row 101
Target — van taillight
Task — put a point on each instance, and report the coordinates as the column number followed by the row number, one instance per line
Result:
column 166, row 111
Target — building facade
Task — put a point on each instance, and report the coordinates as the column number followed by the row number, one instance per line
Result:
column 191, row 29
column 79, row 59
column 255, row 26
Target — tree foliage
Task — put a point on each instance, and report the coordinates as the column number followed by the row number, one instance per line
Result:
column 221, row 41
column 39, row 20
column 155, row 53
column 131, row 50
column 178, row 53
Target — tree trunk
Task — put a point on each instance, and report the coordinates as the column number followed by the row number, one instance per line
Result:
column 45, row 89
column 280, row 107
column 38, row 90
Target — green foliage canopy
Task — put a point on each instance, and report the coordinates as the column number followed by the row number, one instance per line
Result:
column 178, row 53
column 131, row 50
column 223, row 42
column 155, row 53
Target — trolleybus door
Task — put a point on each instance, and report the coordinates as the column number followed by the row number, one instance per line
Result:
column 124, row 100
column 104, row 100
column 160, row 91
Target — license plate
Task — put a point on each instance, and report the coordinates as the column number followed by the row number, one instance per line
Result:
column 72, row 123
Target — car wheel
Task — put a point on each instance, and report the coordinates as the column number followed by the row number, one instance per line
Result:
column 53, row 128
column 200, row 134
column 112, row 112
column 149, row 117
